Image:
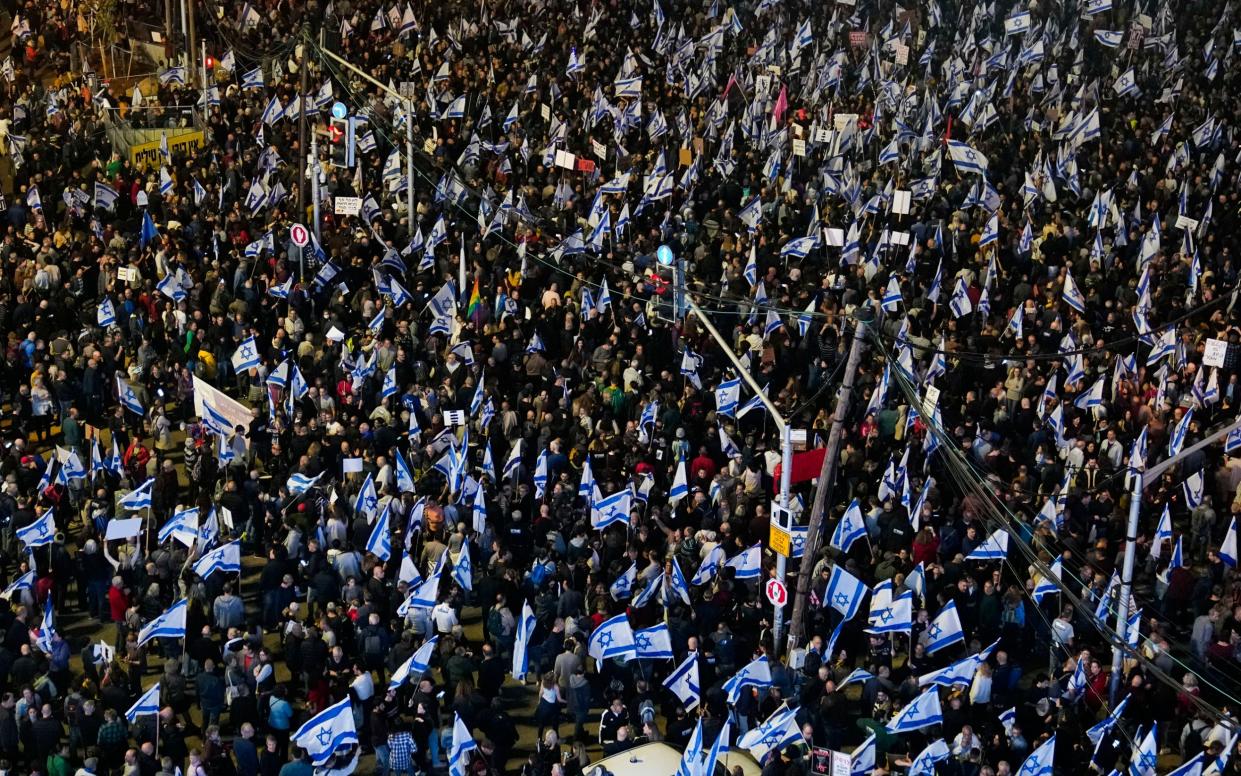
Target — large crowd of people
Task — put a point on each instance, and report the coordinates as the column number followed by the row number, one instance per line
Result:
column 430, row 478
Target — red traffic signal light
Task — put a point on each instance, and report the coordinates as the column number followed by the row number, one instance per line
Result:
column 209, row 62
column 335, row 134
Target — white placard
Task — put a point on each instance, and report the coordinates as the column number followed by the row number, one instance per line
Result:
column 900, row 202
column 822, row 135
column 236, row 413
column 348, row 206
column 599, row 149
column 351, row 465
column 775, row 69
column 123, row 529
column 1185, row 222
column 1214, row 353
column 335, row 335
column 899, row 238
column 799, row 148
column 565, row 159
column 902, row 54
column 128, row 274
column 454, row 417
column 834, row 237
column 545, row 111
column 931, row 399
column 842, row 120
column 762, row 83
column 103, row 653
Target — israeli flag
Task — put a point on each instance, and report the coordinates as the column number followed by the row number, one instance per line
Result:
column 1047, row 585
column 675, row 585
column 945, row 630
column 40, row 532
column 747, row 563
column 680, row 483
column 890, row 613
column 654, row 643
column 246, row 356
column 513, row 463
column 424, row 596
column 623, row 586
column 367, row 501
column 720, row 747
column 300, row 483
column 727, row 396
column 105, row 314
column 862, row 761
column 1017, row 24
column 922, row 712
column 185, row 521
column 959, row 673
column 226, row 558
column 463, row 570
column 24, row 582
column 844, row 592
column 683, row 682
column 752, row 213
column 1072, row 296
column 129, row 400
column 613, row 509
column 416, row 665
column 892, row 296
column 1109, row 38
column 525, row 629
column 169, row 625
column 1193, row 488
column 691, row 758
column 252, row 79
column 613, row 638
column 924, row 764
column 139, row 497
column 1145, row 755
column 1228, row 549
column 709, row 567
column 960, row 303
column 389, row 384
column 994, row 548
column 327, row 731
column 1192, row 767
column 146, row 705
column 380, row 542
column 1101, row 729
column 966, row 158
column 756, row 674
column 776, row 732
column 850, row 528
column 105, row 196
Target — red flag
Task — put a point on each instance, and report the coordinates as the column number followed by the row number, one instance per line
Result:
column 806, row 466
column 782, row 104
column 732, row 79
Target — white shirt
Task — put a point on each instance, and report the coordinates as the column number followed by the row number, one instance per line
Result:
column 364, row 686
column 1062, row 631
column 444, row 616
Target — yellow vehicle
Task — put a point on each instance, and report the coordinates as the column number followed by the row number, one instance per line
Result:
column 662, row 759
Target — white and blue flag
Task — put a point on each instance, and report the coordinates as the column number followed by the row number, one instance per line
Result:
column 654, row 643
column 225, row 558
column 613, row 638
column 146, row 705
column 844, row 592
column 521, row 645
column 945, row 630
column 756, row 674
column 327, row 731
column 168, row 625
column 850, row 528
column 40, row 532
column 922, row 712
column 684, row 683
column 416, row 665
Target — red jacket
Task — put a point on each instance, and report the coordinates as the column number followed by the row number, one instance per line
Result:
column 118, row 602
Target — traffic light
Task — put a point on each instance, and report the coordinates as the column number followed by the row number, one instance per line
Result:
column 208, row 62
column 337, row 129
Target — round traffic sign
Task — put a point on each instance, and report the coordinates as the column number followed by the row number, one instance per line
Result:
column 339, row 110
column 777, row 593
column 300, row 235
column 665, row 256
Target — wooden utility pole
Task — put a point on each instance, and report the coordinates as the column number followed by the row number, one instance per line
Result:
column 827, row 477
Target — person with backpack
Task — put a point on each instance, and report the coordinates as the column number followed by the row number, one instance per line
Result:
column 374, row 641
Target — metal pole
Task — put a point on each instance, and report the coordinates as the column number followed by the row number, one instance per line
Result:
column 1126, row 579
column 314, row 184
column 409, row 161
column 827, row 476
column 782, row 563
column 301, row 126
